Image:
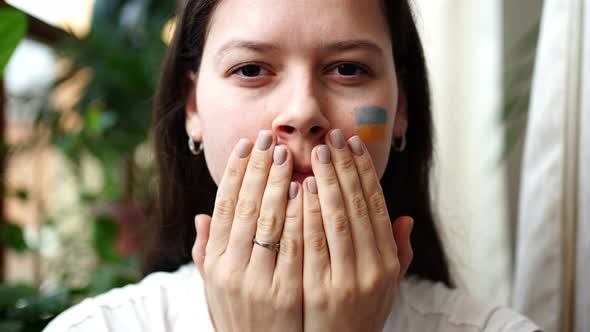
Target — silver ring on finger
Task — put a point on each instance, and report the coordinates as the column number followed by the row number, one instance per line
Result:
column 267, row 245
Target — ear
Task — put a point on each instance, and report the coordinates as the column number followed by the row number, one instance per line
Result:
column 193, row 121
column 401, row 115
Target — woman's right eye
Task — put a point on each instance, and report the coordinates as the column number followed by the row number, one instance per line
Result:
column 249, row 70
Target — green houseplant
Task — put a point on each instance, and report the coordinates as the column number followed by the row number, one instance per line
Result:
column 121, row 55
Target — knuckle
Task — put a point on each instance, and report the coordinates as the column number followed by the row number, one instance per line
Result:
column 373, row 283
column 314, row 210
column 257, row 163
column 364, row 165
column 358, row 205
column 195, row 253
column 254, row 293
column 339, row 223
column 286, row 299
column 378, row 203
column 246, row 208
column 289, row 248
column 275, row 180
column 329, row 180
column 393, row 268
column 345, row 164
column 287, row 303
column 319, row 301
column 224, row 206
column 229, row 281
column 346, row 295
column 267, row 223
column 208, row 268
column 233, row 171
column 317, row 242
column 292, row 216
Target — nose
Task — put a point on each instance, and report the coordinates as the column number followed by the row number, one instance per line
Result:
column 301, row 124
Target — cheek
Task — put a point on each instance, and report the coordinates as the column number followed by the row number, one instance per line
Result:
column 224, row 121
column 374, row 125
column 380, row 155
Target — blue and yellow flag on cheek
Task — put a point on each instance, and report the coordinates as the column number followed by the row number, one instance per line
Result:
column 370, row 123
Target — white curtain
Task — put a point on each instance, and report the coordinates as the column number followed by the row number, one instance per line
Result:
column 553, row 243
column 463, row 46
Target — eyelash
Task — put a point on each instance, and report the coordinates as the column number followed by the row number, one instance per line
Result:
column 364, row 70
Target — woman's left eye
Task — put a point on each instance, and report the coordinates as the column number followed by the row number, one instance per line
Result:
column 349, row 69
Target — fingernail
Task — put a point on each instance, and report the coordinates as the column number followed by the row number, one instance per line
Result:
column 337, row 138
column 356, row 145
column 264, row 140
column 324, row 154
column 280, row 155
column 293, row 190
column 243, row 148
column 312, row 185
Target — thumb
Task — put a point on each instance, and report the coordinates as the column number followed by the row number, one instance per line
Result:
column 402, row 228
column 202, row 225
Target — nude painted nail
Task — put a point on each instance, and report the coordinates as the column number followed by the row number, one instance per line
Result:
column 293, row 190
column 243, row 148
column 279, row 155
column 312, row 186
column 337, row 138
column 356, row 145
column 264, row 140
column 324, row 154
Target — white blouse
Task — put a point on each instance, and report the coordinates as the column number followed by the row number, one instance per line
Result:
column 176, row 302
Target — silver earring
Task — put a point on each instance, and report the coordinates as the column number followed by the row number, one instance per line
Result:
column 401, row 146
column 191, row 144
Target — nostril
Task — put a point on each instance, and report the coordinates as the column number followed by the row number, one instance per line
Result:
column 315, row 130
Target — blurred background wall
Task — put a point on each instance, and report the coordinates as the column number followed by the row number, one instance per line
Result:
column 480, row 56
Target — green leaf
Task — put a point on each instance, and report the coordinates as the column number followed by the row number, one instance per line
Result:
column 22, row 194
column 105, row 236
column 11, row 294
column 104, row 279
column 93, row 120
column 88, row 197
column 37, row 311
column 11, row 325
column 13, row 25
column 13, row 236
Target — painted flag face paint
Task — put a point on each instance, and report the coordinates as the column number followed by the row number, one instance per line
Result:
column 370, row 123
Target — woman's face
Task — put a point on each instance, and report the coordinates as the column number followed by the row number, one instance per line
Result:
column 298, row 68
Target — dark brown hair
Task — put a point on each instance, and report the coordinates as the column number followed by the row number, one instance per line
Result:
column 185, row 187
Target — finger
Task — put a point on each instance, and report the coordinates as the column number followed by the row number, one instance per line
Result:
column 335, row 219
column 376, row 202
column 249, row 200
column 272, row 214
column 226, row 198
column 202, row 225
column 402, row 229
column 316, row 258
column 368, row 259
column 289, row 266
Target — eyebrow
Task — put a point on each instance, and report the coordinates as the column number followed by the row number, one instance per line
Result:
column 354, row 44
column 249, row 45
column 261, row 47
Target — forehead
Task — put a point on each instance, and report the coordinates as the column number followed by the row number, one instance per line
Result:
column 299, row 23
